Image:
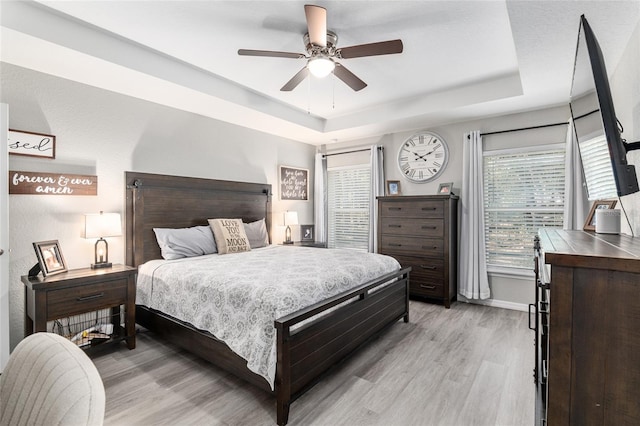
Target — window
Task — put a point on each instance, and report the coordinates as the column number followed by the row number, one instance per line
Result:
column 598, row 172
column 348, row 191
column 523, row 191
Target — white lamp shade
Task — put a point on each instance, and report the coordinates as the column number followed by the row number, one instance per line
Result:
column 320, row 66
column 290, row 218
column 98, row 225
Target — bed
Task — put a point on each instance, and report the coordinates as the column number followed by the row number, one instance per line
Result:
column 309, row 341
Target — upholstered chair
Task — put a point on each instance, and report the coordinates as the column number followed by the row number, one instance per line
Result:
column 50, row 381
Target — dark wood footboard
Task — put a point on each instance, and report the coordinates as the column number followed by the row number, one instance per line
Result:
column 307, row 352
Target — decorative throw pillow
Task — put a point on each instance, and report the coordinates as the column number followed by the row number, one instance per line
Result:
column 176, row 243
column 230, row 236
column 257, row 233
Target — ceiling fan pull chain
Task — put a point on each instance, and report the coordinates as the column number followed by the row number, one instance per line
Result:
column 333, row 92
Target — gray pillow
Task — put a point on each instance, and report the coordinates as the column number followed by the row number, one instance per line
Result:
column 176, row 243
column 257, row 233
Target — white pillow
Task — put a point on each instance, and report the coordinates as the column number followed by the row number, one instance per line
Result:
column 176, row 243
column 230, row 236
column 257, row 233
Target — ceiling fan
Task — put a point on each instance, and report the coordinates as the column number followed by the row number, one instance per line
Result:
column 322, row 53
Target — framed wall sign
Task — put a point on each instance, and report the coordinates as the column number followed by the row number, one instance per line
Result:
column 52, row 183
column 294, row 183
column 32, row 144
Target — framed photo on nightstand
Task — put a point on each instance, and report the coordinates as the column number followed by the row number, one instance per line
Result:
column 306, row 233
column 50, row 257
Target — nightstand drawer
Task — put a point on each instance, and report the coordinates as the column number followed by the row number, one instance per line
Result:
column 430, row 228
column 79, row 299
column 415, row 209
column 421, row 246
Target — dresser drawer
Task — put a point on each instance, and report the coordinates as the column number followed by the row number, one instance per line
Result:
column 426, row 288
column 423, row 268
column 430, row 228
column 413, row 209
column 76, row 300
column 411, row 245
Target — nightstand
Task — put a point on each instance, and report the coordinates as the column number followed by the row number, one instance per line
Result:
column 79, row 291
column 306, row 244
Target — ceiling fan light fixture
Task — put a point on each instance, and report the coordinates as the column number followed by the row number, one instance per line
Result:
column 321, row 66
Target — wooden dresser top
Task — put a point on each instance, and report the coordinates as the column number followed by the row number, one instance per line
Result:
column 590, row 250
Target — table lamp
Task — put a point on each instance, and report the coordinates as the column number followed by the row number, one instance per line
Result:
column 290, row 218
column 101, row 225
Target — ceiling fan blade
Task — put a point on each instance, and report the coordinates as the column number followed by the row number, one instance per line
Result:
column 372, row 49
column 317, row 24
column 269, row 53
column 349, row 78
column 297, row 79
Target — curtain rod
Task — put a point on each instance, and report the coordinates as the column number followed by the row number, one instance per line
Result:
column 522, row 128
column 350, row 152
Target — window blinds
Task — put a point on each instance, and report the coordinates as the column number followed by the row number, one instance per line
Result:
column 348, row 207
column 596, row 163
column 523, row 191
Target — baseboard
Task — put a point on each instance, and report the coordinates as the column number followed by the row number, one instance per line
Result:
column 497, row 304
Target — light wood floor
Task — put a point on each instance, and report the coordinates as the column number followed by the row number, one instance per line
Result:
column 468, row 365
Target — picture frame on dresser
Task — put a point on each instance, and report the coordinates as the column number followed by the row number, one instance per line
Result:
column 50, row 258
column 590, row 222
column 445, row 188
column 393, row 187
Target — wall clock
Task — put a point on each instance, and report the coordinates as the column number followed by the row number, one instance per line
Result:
column 423, row 157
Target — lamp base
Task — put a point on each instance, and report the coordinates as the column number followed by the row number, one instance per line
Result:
column 101, row 265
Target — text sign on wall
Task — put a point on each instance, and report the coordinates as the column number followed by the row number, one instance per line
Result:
column 32, row 144
column 52, row 183
column 294, row 183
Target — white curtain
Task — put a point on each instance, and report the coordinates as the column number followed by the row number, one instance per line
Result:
column 576, row 203
column 474, row 282
column 320, row 198
column 377, row 189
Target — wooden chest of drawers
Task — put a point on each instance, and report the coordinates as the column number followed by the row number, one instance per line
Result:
column 421, row 232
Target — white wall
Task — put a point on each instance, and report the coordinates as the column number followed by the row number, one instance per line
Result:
column 105, row 134
column 625, row 88
column 507, row 291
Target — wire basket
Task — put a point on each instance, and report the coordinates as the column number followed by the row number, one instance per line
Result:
column 90, row 328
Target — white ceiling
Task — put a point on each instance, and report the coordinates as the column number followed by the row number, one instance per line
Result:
column 462, row 59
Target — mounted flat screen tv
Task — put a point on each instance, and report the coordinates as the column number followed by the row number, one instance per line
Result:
column 602, row 150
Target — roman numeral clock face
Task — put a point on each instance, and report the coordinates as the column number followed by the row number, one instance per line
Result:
column 423, row 157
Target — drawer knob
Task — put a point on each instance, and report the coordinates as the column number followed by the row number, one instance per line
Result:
column 429, row 208
column 395, row 226
column 432, row 247
column 93, row 296
column 395, row 245
column 395, row 208
column 433, row 268
column 428, row 287
column 429, row 227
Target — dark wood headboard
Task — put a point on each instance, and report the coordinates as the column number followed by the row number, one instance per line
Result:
column 163, row 201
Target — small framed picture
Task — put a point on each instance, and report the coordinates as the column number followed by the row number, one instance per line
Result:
column 445, row 188
column 590, row 223
column 50, row 257
column 393, row 187
column 306, row 233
